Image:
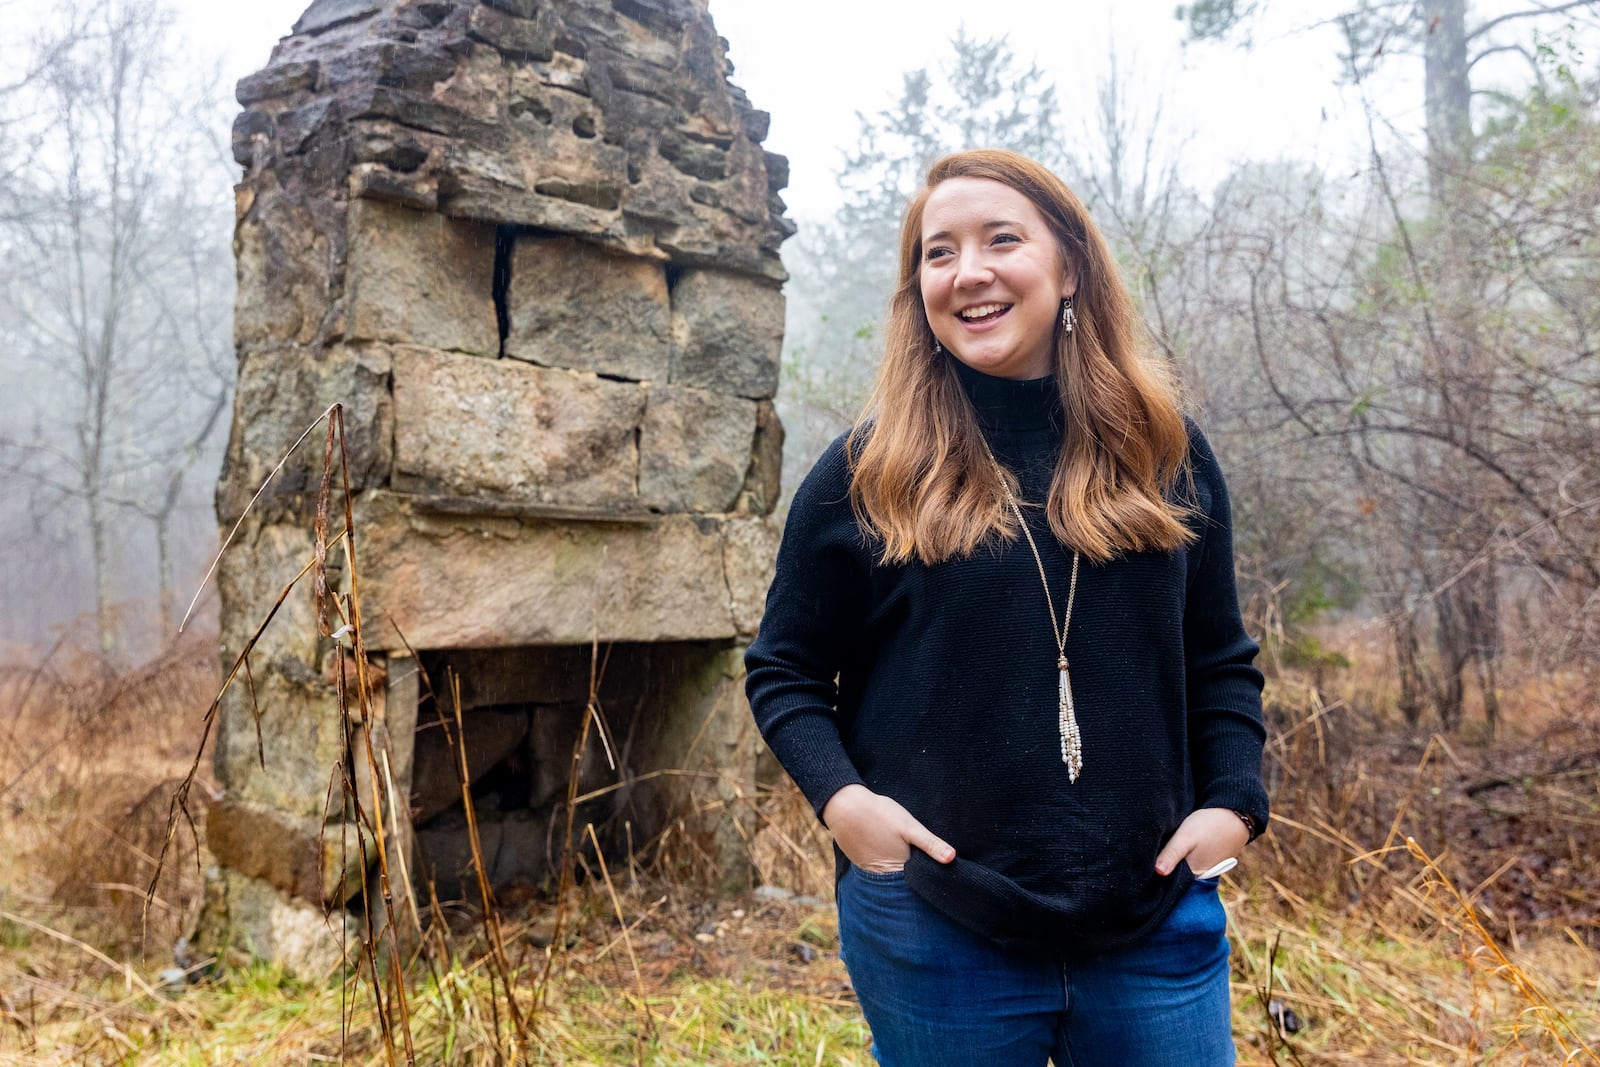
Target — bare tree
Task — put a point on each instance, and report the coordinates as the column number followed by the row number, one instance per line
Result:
column 26, row 62
column 1130, row 170
column 118, row 288
column 1429, row 337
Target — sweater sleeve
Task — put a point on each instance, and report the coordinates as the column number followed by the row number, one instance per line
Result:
column 815, row 607
column 1226, row 731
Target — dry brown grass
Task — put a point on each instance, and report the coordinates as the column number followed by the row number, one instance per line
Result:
column 754, row 980
column 88, row 759
column 1390, row 951
column 1386, row 954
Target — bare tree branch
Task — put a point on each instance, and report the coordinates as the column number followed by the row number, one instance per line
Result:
column 1532, row 12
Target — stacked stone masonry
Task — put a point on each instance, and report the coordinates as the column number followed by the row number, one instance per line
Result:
column 531, row 247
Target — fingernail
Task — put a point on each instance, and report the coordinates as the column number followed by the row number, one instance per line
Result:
column 946, row 855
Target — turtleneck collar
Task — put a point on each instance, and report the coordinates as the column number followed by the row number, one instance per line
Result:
column 1010, row 404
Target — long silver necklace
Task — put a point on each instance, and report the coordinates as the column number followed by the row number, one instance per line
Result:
column 1067, row 719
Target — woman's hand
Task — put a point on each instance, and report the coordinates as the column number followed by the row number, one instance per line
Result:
column 1205, row 839
column 876, row 834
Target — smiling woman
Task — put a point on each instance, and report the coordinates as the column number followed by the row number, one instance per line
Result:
column 992, row 278
column 1124, row 444
column 1002, row 656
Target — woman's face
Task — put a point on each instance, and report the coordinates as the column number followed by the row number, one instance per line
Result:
column 993, row 278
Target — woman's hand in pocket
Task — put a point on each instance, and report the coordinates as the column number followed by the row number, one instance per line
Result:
column 1205, row 838
column 876, row 833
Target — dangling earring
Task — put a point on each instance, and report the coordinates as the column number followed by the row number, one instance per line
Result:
column 937, row 347
column 1069, row 317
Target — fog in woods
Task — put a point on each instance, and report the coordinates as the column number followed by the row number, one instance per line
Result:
column 1364, row 233
column 1394, row 352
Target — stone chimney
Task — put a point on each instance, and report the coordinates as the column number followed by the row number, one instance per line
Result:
column 532, row 247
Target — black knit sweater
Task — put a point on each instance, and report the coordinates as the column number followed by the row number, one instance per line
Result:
column 936, row 685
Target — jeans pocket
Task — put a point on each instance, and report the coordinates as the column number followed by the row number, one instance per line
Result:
column 881, row 877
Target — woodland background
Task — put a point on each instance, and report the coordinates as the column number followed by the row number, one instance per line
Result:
column 1396, row 361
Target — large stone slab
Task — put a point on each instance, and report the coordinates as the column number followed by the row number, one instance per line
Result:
column 280, row 731
column 703, row 725
column 295, row 759
column 246, row 917
column 287, row 246
column 575, row 305
column 552, row 139
column 281, row 394
column 729, row 333
column 259, row 563
column 420, row 278
column 750, row 555
column 313, row 861
column 448, row 581
column 694, row 449
column 515, row 432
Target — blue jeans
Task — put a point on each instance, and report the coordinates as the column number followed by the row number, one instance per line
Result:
column 937, row 995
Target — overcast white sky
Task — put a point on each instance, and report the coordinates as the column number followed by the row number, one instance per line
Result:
column 814, row 65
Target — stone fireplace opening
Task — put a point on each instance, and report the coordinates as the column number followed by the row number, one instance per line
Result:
column 521, row 723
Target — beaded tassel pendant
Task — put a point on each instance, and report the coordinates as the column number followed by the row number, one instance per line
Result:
column 1066, row 717
column 1071, row 740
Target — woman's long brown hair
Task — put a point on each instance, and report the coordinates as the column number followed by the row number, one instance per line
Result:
column 921, row 479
